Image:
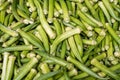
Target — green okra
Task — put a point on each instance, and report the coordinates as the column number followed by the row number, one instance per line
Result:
column 102, row 67
column 25, row 69
column 44, row 37
column 10, row 67
column 7, row 30
column 43, row 21
column 4, row 67
column 63, row 37
column 65, row 11
column 31, row 75
column 16, row 48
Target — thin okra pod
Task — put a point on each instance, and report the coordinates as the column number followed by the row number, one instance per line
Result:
column 82, row 7
column 50, row 74
column 22, row 14
column 44, row 37
column 79, row 44
column 102, row 67
column 101, row 5
column 43, row 21
column 7, row 30
column 57, row 26
column 65, row 11
column 4, row 5
column 51, row 11
column 30, row 39
column 10, row 67
column 26, row 68
column 10, row 42
column 58, row 7
column 83, row 67
column 102, row 17
column 85, row 18
column 99, row 39
column 74, row 48
column 7, row 20
column 16, row 48
column 55, row 59
column 11, row 19
column 112, row 33
column 63, row 50
column 62, row 37
column 69, row 7
column 92, row 10
column 2, row 16
column 14, row 10
column 94, row 20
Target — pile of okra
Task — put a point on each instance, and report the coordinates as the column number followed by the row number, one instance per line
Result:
column 60, row 39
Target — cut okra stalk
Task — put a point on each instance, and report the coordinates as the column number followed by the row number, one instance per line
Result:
column 32, row 73
column 4, row 67
column 10, row 67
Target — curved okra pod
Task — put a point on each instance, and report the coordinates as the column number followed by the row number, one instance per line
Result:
column 62, row 37
column 43, row 21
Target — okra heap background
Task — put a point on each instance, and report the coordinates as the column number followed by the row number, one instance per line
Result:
column 59, row 39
